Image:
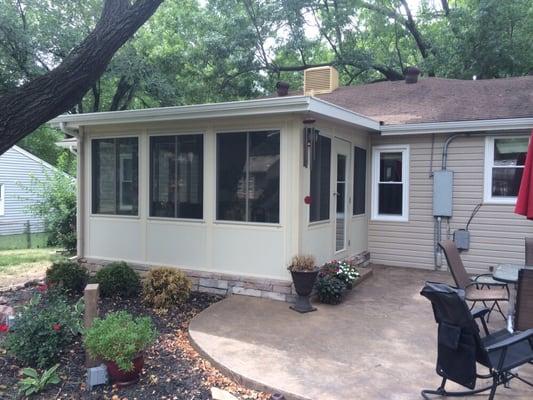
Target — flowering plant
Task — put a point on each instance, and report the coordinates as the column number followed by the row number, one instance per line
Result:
column 342, row 270
column 4, row 328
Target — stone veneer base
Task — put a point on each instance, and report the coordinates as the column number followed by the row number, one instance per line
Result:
column 226, row 284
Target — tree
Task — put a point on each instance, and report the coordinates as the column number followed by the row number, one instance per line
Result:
column 26, row 107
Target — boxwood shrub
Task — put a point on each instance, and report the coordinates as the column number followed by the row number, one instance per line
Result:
column 67, row 275
column 118, row 279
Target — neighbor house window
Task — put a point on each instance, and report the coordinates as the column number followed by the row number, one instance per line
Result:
column 359, row 181
column 504, row 165
column 2, row 199
column 176, row 176
column 248, row 176
column 115, row 176
column 390, row 180
column 320, row 180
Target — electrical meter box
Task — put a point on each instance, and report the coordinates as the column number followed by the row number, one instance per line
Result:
column 442, row 193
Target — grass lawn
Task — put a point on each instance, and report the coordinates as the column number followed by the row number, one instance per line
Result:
column 18, row 266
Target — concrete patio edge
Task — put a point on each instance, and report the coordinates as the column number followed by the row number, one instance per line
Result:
column 365, row 274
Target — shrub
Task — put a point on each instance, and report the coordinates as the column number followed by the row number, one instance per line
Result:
column 119, row 338
column 68, row 276
column 165, row 287
column 330, row 289
column 45, row 326
column 343, row 270
column 118, row 279
column 304, row 263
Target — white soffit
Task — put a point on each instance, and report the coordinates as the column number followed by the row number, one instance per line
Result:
column 268, row 106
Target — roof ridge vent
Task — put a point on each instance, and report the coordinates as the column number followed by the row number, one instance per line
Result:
column 320, row 80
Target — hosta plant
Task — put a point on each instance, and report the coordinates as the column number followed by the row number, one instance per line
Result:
column 34, row 383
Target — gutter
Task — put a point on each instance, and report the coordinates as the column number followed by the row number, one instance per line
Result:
column 276, row 105
column 458, row 126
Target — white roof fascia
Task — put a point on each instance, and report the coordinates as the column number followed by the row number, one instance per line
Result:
column 268, row 106
column 458, row 126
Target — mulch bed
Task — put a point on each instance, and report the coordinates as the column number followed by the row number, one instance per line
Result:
column 173, row 369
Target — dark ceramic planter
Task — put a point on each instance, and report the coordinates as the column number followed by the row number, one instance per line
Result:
column 303, row 283
column 121, row 378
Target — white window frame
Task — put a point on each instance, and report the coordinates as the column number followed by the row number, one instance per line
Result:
column 489, row 164
column 2, row 198
column 376, row 153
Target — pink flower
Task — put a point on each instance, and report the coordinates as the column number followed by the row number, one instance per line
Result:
column 56, row 327
column 42, row 287
column 4, row 328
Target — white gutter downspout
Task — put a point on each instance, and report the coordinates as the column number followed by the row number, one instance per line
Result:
column 80, row 180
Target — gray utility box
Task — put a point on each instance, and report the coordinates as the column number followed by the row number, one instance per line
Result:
column 442, row 193
column 461, row 237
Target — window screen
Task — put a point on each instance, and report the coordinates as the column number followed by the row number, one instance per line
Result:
column 320, row 180
column 359, row 181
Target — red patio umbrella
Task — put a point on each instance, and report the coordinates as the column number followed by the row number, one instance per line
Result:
column 524, row 203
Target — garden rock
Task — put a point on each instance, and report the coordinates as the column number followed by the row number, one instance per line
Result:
column 5, row 311
column 219, row 394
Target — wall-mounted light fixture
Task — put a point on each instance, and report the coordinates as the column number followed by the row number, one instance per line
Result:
column 310, row 140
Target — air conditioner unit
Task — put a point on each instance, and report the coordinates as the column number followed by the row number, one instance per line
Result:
column 320, row 80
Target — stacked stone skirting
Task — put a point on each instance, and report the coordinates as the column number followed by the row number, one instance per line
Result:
column 226, row 284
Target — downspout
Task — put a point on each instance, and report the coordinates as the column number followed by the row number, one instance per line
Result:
column 80, row 180
column 437, row 233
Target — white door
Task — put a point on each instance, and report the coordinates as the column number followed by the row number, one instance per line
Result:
column 341, row 161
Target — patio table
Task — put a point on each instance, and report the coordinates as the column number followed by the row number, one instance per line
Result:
column 508, row 273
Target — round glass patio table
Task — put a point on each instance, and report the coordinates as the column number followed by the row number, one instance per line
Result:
column 508, row 273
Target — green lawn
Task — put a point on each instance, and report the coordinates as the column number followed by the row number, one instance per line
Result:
column 19, row 266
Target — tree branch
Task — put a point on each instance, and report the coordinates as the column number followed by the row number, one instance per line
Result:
column 25, row 108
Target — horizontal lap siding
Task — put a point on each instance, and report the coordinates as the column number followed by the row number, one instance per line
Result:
column 497, row 234
column 16, row 170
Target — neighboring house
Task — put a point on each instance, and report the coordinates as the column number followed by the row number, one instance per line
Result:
column 231, row 191
column 17, row 167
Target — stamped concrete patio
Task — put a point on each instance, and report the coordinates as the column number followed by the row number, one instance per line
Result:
column 379, row 344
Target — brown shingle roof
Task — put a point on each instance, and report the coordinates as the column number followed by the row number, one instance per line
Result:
column 438, row 99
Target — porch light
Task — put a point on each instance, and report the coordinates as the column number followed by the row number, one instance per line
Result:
column 310, row 140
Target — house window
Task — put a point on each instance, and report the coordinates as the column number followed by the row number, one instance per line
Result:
column 2, row 199
column 320, row 180
column 359, row 181
column 504, row 165
column 176, row 176
column 390, row 185
column 115, row 176
column 248, row 176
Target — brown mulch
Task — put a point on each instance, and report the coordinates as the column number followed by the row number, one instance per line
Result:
column 173, row 369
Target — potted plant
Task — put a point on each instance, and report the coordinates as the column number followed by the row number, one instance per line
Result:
column 304, row 271
column 119, row 340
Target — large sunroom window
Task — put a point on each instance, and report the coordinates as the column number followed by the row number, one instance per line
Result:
column 320, row 180
column 176, row 176
column 115, row 176
column 504, row 165
column 248, row 176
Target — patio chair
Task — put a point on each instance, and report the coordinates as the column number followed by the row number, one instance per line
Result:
column 460, row 346
column 524, row 300
column 529, row 251
column 474, row 286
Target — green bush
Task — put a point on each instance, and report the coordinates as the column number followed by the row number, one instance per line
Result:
column 330, row 289
column 342, row 270
column 67, row 275
column 119, row 338
column 118, row 279
column 165, row 287
column 45, row 326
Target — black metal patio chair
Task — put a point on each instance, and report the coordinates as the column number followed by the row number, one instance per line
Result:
column 460, row 346
column 524, row 300
column 479, row 288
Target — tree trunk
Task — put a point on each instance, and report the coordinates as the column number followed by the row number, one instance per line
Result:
column 25, row 108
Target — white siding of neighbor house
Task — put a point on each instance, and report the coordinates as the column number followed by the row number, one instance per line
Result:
column 497, row 234
column 16, row 170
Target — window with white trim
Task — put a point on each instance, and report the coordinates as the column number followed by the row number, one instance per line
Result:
column 504, row 164
column 390, row 183
column 2, row 198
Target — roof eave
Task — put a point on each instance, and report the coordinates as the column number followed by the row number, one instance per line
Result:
column 503, row 124
column 270, row 106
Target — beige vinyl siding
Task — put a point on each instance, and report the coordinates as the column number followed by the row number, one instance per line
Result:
column 497, row 234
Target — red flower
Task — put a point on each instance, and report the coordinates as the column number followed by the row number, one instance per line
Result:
column 56, row 327
column 42, row 287
column 4, row 328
